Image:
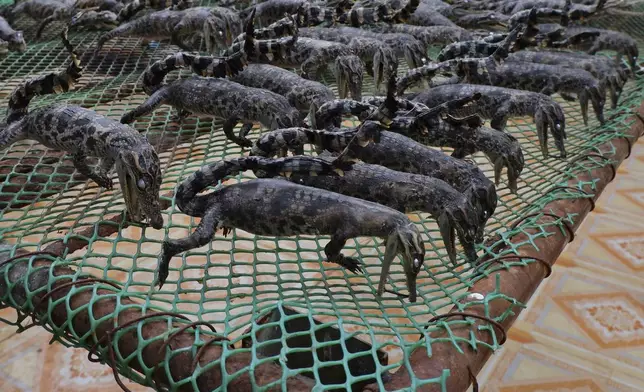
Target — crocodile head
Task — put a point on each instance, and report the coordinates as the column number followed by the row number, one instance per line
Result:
column 409, row 244
column 349, row 74
column 17, row 42
column 460, row 219
column 140, row 177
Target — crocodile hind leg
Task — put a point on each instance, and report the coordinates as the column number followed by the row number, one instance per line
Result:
column 180, row 115
column 201, row 236
column 499, row 119
column 176, row 40
column 229, row 126
column 333, row 254
column 97, row 176
column 245, row 129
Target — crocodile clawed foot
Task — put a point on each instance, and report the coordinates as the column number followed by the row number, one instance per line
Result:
column 103, row 181
column 350, row 263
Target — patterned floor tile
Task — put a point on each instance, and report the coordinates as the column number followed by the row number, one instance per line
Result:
column 69, row 370
column 21, row 360
column 611, row 243
column 536, row 367
column 589, row 315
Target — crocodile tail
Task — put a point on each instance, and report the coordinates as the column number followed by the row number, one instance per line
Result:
column 52, row 83
column 269, row 50
column 265, row 50
column 364, row 16
column 330, row 114
column 302, row 165
column 314, row 15
column 506, row 45
column 416, row 75
column 286, row 26
column 273, row 143
column 186, row 192
column 155, row 74
column 219, row 67
column 201, row 65
column 116, row 32
column 211, row 174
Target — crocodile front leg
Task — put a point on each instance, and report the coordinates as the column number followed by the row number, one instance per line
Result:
column 104, row 167
column 499, row 119
column 97, row 176
column 176, row 40
column 181, row 115
column 201, row 236
column 334, row 255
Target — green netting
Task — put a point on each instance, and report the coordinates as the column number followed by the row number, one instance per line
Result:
column 234, row 282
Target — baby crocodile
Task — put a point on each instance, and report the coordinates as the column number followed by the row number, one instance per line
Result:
column 215, row 97
column 308, row 13
column 498, row 104
column 542, row 78
column 611, row 76
column 14, row 39
column 301, row 93
column 379, row 57
column 405, row 45
column 84, row 133
column 177, row 25
column 488, row 46
column 224, row 99
column 603, row 39
column 428, row 35
column 407, row 193
column 466, row 136
column 279, row 208
column 312, row 56
column 47, row 11
column 391, row 150
column 97, row 20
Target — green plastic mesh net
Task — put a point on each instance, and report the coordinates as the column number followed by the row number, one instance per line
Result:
column 273, row 297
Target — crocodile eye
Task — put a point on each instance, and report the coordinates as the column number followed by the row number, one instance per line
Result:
column 141, row 184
